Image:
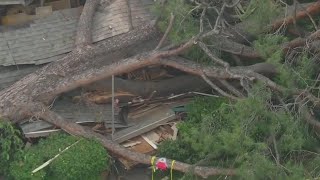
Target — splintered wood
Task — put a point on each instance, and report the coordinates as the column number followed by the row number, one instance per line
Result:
column 147, row 143
column 147, row 121
column 152, row 127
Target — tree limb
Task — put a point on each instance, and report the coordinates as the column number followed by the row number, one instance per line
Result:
column 201, row 18
column 129, row 15
column 308, row 14
column 84, row 35
column 212, row 57
column 276, row 149
column 167, row 32
column 215, row 87
column 231, row 88
column 313, row 9
column 219, row 17
column 301, row 41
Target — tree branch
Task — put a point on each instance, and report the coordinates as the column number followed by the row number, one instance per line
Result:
column 276, row 149
column 231, row 88
column 84, row 34
column 314, row 123
column 201, row 19
column 167, row 32
column 212, row 57
column 129, row 14
column 308, row 14
column 301, row 41
column 313, row 9
column 219, row 17
column 215, row 87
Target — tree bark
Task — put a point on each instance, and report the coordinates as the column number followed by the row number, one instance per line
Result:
column 83, row 36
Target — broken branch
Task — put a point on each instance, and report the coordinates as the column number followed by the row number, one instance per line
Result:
column 312, row 9
column 212, row 57
column 164, row 37
column 231, row 88
column 219, row 17
column 215, row 87
column 84, row 36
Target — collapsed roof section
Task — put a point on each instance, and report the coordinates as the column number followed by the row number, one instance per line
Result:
column 48, row 38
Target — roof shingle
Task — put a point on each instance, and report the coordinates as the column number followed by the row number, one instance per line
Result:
column 48, row 39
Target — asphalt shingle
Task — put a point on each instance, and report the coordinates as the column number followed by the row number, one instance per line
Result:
column 49, row 38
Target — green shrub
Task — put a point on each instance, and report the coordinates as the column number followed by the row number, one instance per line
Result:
column 259, row 14
column 84, row 160
column 186, row 23
column 10, row 144
column 269, row 46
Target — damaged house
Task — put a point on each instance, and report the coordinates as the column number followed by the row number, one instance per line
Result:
column 34, row 34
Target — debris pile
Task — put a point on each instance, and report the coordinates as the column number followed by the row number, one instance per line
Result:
column 140, row 124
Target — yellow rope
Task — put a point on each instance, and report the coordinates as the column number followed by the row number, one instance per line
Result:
column 171, row 168
column 152, row 166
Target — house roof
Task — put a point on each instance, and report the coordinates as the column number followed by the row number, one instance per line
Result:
column 49, row 38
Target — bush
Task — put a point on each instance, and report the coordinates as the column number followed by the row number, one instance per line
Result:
column 84, row 160
column 9, row 145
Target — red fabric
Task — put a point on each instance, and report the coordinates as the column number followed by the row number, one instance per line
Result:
column 161, row 165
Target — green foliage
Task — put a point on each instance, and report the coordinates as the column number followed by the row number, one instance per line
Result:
column 260, row 13
column 84, row 160
column 299, row 74
column 197, row 54
column 305, row 70
column 179, row 149
column 186, row 25
column 307, row 23
column 269, row 47
column 186, row 22
column 247, row 135
column 10, row 143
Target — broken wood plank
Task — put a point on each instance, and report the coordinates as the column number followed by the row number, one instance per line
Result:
column 148, row 144
column 149, row 121
column 131, row 144
column 40, row 133
column 175, row 131
column 143, row 147
column 151, row 138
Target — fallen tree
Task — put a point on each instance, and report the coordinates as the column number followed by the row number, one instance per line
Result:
column 87, row 63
